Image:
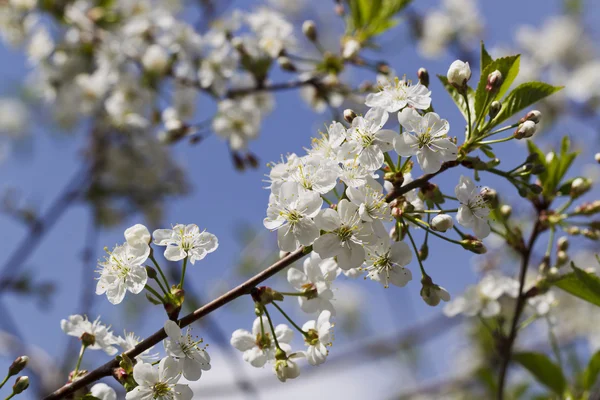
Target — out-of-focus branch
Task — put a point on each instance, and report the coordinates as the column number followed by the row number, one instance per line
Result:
column 375, row 348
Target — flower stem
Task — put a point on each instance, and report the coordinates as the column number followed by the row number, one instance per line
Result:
column 506, row 139
column 10, row 396
column 289, row 319
column 83, row 347
column 183, row 272
column 423, row 225
column 433, row 211
column 326, row 200
column 389, row 161
column 405, row 162
column 154, row 292
column 423, row 273
column 272, row 328
column 160, row 271
column 4, row 381
column 468, row 115
column 500, row 130
column 298, row 294
column 165, row 291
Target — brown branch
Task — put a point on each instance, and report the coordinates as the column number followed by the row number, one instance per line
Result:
column 244, row 288
column 157, row 337
column 506, row 344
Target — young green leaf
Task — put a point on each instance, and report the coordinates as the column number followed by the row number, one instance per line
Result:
column 580, row 284
column 486, row 59
column 459, row 100
column 590, row 375
column 522, row 97
column 509, row 68
column 543, row 369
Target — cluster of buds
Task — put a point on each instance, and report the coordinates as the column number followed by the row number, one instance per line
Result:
column 588, row 208
column 528, row 125
column 22, row 382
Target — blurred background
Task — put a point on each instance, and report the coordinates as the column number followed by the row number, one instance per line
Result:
column 388, row 342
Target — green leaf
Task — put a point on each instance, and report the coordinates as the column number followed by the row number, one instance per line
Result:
column 543, row 369
column 370, row 18
column 590, row 375
column 486, row 59
column 459, row 100
column 580, row 284
column 509, row 68
column 522, row 97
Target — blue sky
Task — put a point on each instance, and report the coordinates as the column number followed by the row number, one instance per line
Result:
column 222, row 198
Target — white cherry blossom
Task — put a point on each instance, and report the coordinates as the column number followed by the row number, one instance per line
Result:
column 185, row 241
column 370, row 201
column 185, row 349
column 102, row 391
column 320, row 336
column 258, row 348
column 291, row 212
column 370, row 141
column 385, row 263
column 316, row 173
column 425, row 137
column 314, row 280
column 159, row 383
column 473, row 211
column 129, row 340
column 396, row 94
column 123, row 271
column 346, row 235
column 103, row 339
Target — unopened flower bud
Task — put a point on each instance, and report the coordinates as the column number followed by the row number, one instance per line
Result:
column 238, row 161
column 21, row 384
column 383, row 68
column 286, row 64
column 252, row 160
column 494, row 81
column 310, row 30
column 18, row 365
column 561, row 258
column 579, row 186
column 533, row 115
column 597, row 158
column 538, row 169
column 423, row 76
column 474, row 245
column 155, row 59
column 349, row 115
column 396, row 212
column 506, row 210
column 535, row 188
column 265, row 295
column 573, row 230
column 525, row 130
column 544, row 265
column 490, row 196
column 442, row 223
column 562, row 243
column 459, row 74
column 424, row 252
column 591, row 234
column 350, row 48
column 495, row 108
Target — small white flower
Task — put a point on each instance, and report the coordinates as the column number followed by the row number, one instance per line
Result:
column 102, row 391
column 185, row 241
column 328, row 145
column 442, row 222
column 346, row 235
column 429, row 141
column 274, row 31
column 316, row 173
column 396, row 94
column 474, row 210
column 459, row 73
column 370, row 201
column 385, row 263
column 259, row 348
column 123, row 271
column 291, row 211
column 315, row 282
column 287, row 368
column 432, row 294
column 103, row 338
column 129, row 341
column 484, row 298
column 542, row 303
column 137, row 233
column 159, row 383
column 369, row 140
column 319, row 337
column 192, row 358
